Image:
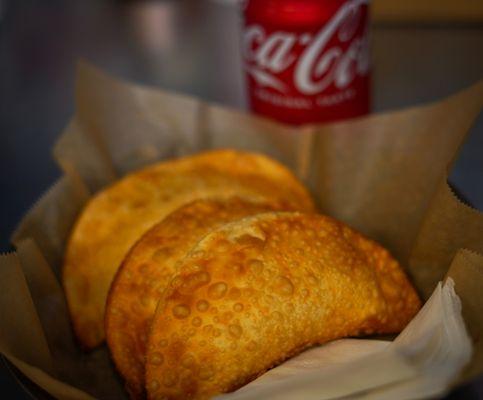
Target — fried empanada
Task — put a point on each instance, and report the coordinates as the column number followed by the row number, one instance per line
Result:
column 262, row 289
column 146, row 271
column 117, row 216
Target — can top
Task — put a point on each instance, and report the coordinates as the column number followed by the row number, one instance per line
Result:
column 291, row 12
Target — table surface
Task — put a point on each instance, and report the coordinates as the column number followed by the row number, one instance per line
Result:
column 189, row 46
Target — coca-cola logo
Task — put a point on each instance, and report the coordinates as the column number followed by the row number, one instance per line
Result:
column 322, row 61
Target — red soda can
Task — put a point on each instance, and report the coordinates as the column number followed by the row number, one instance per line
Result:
column 307, row 60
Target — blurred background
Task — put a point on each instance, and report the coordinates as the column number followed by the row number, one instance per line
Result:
column 422, row 50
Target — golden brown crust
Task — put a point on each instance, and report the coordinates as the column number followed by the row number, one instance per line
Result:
column 146, row 271
column 256, row 291
column 117, row 216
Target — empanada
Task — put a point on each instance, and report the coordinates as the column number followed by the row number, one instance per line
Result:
column 262, row 289
column 117, row 216
column 146, row 271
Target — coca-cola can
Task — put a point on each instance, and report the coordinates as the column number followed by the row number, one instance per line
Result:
column 307, row 60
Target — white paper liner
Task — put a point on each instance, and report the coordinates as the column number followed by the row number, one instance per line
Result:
column 421, row 362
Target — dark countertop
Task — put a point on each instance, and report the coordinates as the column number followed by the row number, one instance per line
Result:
column 188, row 46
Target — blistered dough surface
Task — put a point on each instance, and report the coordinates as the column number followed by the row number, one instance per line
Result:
column 259, row 290
column 146, row 272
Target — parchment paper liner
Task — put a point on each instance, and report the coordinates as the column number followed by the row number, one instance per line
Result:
column 384, row 175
